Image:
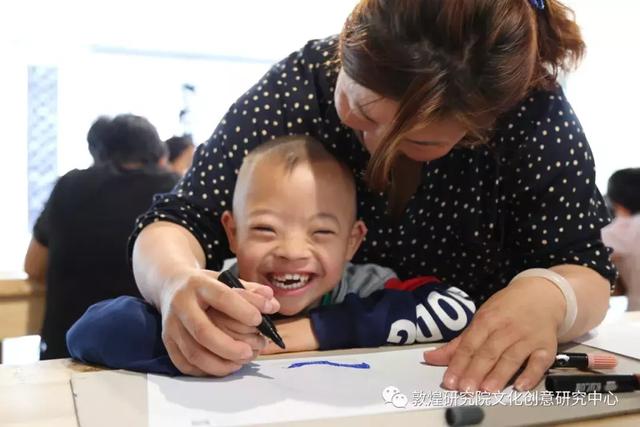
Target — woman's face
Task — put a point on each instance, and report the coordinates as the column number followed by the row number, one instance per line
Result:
column 369, row 115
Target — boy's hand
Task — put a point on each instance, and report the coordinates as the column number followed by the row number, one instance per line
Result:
column 297, row 335
column 516, row 326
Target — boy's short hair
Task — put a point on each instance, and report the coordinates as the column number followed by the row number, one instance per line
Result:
column 624, row 189
column 293, row 150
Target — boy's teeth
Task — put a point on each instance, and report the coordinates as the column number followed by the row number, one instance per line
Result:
column 290, row 281
column 283, row 277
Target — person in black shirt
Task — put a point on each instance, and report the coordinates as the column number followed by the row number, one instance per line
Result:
column 81, row 236
column 470, row 164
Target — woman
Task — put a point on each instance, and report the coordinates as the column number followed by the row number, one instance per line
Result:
column 470, row 164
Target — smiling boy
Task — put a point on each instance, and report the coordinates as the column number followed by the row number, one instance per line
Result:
column 293, row 227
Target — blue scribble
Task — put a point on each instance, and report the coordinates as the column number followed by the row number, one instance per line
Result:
column 362, row 365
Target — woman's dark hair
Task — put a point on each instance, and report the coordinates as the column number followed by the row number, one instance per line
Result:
column 624, row 189
column 177, row 144
column 470, row 60
column 95, row 137
column 133, row 139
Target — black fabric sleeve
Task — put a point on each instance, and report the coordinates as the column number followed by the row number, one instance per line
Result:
column 42, row 226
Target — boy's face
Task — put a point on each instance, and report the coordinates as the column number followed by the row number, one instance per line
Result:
column 294, row 231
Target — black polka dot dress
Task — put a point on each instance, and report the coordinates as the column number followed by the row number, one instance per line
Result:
column 480, row 215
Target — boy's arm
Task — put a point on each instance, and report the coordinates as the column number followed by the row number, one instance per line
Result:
column 121, row 333
column 417, row 310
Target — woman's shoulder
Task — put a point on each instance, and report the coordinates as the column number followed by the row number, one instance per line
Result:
column 540, row 108
column 310, row 68
column 544, row 128
column 317, row 53
column 540, row 146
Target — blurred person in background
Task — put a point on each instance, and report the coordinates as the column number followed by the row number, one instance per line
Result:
column 98, row 133
column 79, row 241
column 623, row 234
column 181, row 150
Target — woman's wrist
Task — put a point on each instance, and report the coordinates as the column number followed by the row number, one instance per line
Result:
column 570, row 306
column 174, row 280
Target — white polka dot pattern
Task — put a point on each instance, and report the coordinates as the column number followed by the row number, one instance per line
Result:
column 480, row 216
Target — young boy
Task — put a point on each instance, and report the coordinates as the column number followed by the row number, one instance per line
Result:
column 294, row 228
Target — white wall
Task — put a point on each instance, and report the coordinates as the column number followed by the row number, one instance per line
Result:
column 75, row 35
column 13, row 160
column 605, row 90
column 223, row 48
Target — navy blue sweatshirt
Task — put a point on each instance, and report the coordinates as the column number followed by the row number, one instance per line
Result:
column 368, row 308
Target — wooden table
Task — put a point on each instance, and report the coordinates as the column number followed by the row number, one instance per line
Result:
column 21, row 305
column 39, row 394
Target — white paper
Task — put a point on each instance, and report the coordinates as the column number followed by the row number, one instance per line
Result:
column 270, row 391
column 621, row 336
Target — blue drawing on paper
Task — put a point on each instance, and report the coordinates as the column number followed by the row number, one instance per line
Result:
column 362, row 365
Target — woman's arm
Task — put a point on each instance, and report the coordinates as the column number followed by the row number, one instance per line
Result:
column 552, row 215
column 592, row 295
column 163, row 250
column 518, row 326
column 168, row 266
column 36, row 261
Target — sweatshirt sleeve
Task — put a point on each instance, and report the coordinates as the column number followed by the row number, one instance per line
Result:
column 402, row 312
column 121, row 333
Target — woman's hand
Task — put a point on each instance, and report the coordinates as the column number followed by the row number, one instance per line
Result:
column 516, row 326
column 209, row 328
column 297, row 335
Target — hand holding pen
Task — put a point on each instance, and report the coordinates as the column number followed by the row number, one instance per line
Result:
column 266, row 327
column 208, row 328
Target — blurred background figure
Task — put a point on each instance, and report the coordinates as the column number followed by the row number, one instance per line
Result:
column 623, row 234
column 79, row 242
column 98, row 133
column 181, row 150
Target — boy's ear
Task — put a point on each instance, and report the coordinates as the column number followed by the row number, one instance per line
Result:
column 229, row 225
column 358, row 231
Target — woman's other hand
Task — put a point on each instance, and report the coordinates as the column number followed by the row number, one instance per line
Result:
column 517, row 327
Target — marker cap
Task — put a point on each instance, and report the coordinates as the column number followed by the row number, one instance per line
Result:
column 464, row 415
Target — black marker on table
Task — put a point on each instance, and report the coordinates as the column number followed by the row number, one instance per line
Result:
column 593, row 383
column 267, row 328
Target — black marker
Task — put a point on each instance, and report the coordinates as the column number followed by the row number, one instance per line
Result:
column 267, row 328
column 593, row 383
